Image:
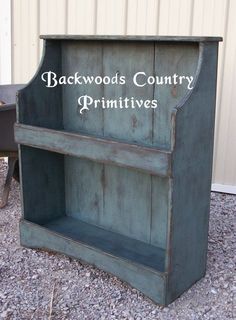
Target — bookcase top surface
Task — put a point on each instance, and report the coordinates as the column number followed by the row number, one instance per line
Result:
column 132, row 38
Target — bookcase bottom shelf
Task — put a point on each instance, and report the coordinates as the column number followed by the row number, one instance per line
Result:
column 135, row 262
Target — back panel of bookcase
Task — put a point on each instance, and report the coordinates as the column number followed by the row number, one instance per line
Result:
column 123, row 200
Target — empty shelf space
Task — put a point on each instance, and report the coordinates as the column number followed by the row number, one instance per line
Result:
column 148, row 159
column 109, row 242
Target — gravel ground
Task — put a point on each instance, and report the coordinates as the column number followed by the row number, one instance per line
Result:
column 35, row 284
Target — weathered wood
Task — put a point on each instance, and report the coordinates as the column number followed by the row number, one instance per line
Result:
column 180, row 60
column 107, row 151
column 48, row 107
column 42, row 183
column 128, row 192
column 118, row 245
column 123, row 192
column 131, row 38
column 82, row 176
column 149, row 281
column 192, row 169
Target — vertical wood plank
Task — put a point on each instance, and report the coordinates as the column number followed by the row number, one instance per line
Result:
column 122, row 58
column 181, row 60
column 86, row 59
column 84, row 189
column 83, row 179
column 160, row 211
column 126, row 200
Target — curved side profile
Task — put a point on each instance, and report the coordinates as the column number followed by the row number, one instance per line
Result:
column 126, row 190
column 192, row 172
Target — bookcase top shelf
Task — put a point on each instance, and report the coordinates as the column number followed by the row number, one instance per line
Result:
column 131, row 38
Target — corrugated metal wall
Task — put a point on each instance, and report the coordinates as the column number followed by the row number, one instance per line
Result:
column 5, row 41
column 161, row 17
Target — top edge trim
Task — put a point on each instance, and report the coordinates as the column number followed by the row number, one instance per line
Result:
column 132, row 38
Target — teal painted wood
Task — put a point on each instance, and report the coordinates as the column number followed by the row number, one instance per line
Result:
column 192, row 170
column 43, row 195
column 129, row 192
column 135, row 250
column 123, row 192
column 150, row 282
column 181, row 60
column 82, row 177
column 48, row 107
column 97, row 149
column 122, row 59
column 160, row 202
column 159, row 39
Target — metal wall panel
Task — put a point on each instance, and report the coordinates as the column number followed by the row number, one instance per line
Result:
column 164, row 17
column 142, row 17
column 5, row 42
column 82, row 17
column 25, row 44
column 175, row 17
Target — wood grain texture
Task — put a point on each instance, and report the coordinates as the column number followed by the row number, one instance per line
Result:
column 123, row 192
column 129, row 193
column 118, row 245
column 181, row 60
column 192, row 170
column 83, row 177
column 42, row 184
column 30, row 18
column 130, row 38
column 47, row 102
column 147, row 280
column 103, row 150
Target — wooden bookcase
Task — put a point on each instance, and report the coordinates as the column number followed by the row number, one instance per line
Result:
column 125, row 190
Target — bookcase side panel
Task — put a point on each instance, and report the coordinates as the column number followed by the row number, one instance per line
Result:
column 192, row 169
column 42, row 183
column 37, row 104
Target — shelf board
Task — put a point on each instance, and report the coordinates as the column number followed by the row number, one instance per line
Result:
column 109, row 242
column 142, row 269
column 148, row 159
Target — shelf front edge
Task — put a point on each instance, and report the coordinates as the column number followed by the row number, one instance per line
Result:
column 148, row 159
column 150, row 282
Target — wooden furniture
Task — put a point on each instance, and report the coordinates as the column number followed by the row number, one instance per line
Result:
column 8, row 147
column 125, row 190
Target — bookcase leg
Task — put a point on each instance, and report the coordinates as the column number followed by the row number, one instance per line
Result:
column 7, row 185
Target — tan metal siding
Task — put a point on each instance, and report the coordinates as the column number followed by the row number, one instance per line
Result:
column 164, row 17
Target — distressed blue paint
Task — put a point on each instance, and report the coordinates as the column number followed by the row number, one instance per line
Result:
column 138, row 206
